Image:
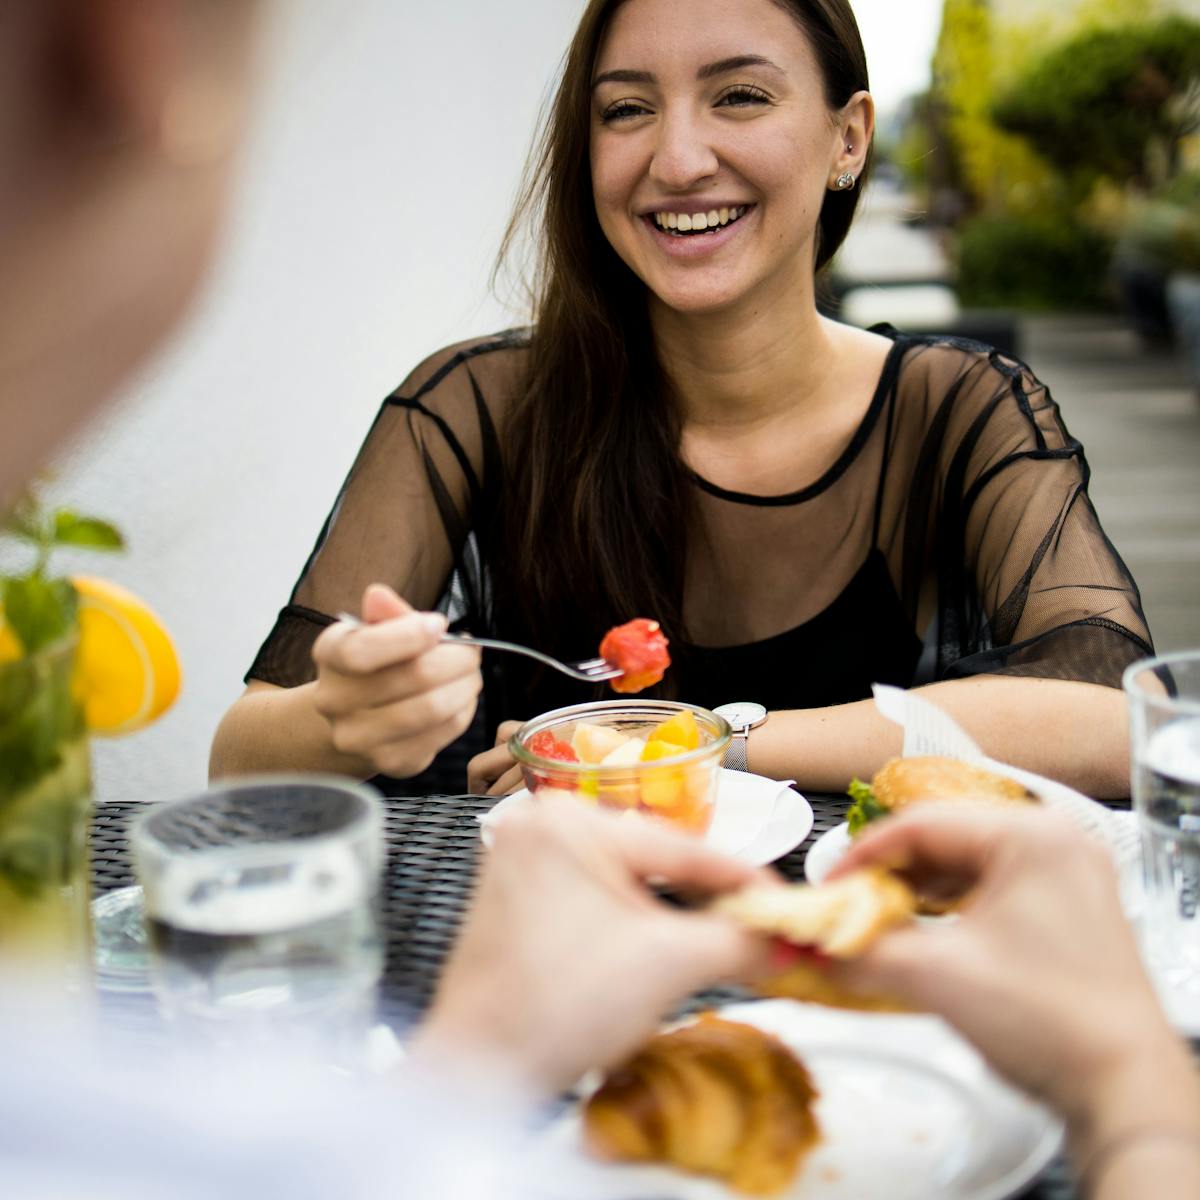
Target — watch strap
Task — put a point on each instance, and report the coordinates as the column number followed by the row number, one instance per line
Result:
column 736, row 758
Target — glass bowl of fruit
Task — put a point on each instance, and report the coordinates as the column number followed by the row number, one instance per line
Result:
column 652, row 756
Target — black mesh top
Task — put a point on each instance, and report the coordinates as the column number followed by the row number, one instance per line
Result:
column 956, row 518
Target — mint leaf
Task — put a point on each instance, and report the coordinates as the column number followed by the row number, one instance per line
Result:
column 27, row 862
column 41, row 847
column 39, row 716
column 39, row 611
column 865, row 808
column 25, row 521
column 71, row 529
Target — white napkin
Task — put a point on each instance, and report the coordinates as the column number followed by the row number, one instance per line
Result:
column 927, row 730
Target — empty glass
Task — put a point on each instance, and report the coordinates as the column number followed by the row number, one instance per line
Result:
column 1164, row 695
column 261, row 900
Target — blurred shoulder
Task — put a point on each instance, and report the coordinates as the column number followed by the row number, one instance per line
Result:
column 491, row 367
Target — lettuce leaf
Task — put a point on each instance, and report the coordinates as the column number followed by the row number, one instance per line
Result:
column 865, row 808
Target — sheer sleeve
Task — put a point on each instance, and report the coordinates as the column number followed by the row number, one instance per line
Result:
column 1028, row 582
column 405, row 514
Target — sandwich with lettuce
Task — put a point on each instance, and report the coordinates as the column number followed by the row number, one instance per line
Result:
column 928, row 780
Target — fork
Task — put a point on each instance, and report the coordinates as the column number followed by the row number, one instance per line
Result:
column 591, row 670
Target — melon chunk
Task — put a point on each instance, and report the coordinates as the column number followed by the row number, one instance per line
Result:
column 627, row 754
column 593, row 743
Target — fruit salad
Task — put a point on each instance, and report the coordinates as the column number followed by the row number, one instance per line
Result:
column 620, row 756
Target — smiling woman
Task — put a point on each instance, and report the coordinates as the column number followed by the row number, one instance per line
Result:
column 805, row 507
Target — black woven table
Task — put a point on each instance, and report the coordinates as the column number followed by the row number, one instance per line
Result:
column 432, row 847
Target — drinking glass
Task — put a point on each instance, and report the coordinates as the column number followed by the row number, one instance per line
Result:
column 45, row 802
column 261, row 905
column 1164, row 696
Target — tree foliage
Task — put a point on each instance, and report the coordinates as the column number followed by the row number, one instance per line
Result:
column 998, row 170
column 1112, row 102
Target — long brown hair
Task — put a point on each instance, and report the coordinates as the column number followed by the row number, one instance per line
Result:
column 596, row 501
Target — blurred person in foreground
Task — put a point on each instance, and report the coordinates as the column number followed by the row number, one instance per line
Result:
column 119, row 122
column 118, row 127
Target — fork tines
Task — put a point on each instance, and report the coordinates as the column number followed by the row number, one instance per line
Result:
column 598, row 668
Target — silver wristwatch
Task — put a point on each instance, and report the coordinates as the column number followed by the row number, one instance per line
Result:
column 743, row 716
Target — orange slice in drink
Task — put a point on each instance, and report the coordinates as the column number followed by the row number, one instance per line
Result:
column 127, row 671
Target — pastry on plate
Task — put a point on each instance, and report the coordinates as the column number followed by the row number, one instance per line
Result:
column 717, row 1098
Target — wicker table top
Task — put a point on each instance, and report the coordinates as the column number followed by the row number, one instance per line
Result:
column 432, row 845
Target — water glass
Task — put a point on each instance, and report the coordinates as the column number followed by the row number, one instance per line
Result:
column 261, row 906
column 1164, row 702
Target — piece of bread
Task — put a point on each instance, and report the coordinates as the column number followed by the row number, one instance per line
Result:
column 841, row 918
column 832, row 920
column 904, row 781
column 717, row 1098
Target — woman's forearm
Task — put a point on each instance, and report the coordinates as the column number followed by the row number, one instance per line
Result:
column 1073, row 732
column 278, row 729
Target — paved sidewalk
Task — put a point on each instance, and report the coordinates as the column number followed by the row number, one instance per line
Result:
column 1139, row 420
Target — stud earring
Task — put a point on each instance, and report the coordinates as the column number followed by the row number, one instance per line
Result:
column 845, row 182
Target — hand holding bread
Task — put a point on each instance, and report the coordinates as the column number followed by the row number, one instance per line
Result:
column 568, row 960
column 1041, row 972
column 816, row 926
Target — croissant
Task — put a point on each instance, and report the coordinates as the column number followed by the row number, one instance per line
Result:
column 717, row 1098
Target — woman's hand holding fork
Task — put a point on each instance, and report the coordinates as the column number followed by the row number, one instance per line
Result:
column 393, row 693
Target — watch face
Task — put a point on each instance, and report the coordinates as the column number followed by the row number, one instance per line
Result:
column 742, row 714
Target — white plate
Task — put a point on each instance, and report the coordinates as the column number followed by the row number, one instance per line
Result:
column 907, row 1111
column 757, row 820
column 825, row 852
column 1097, row 820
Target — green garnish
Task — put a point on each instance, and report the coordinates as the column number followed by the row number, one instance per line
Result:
column 865, row 808
column 38, row 609
column 44, row 788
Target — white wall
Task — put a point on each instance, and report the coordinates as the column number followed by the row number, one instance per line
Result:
column 389, row 142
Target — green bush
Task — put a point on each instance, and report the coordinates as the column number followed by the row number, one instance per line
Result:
column 1032, row 263
column 1103, row 102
